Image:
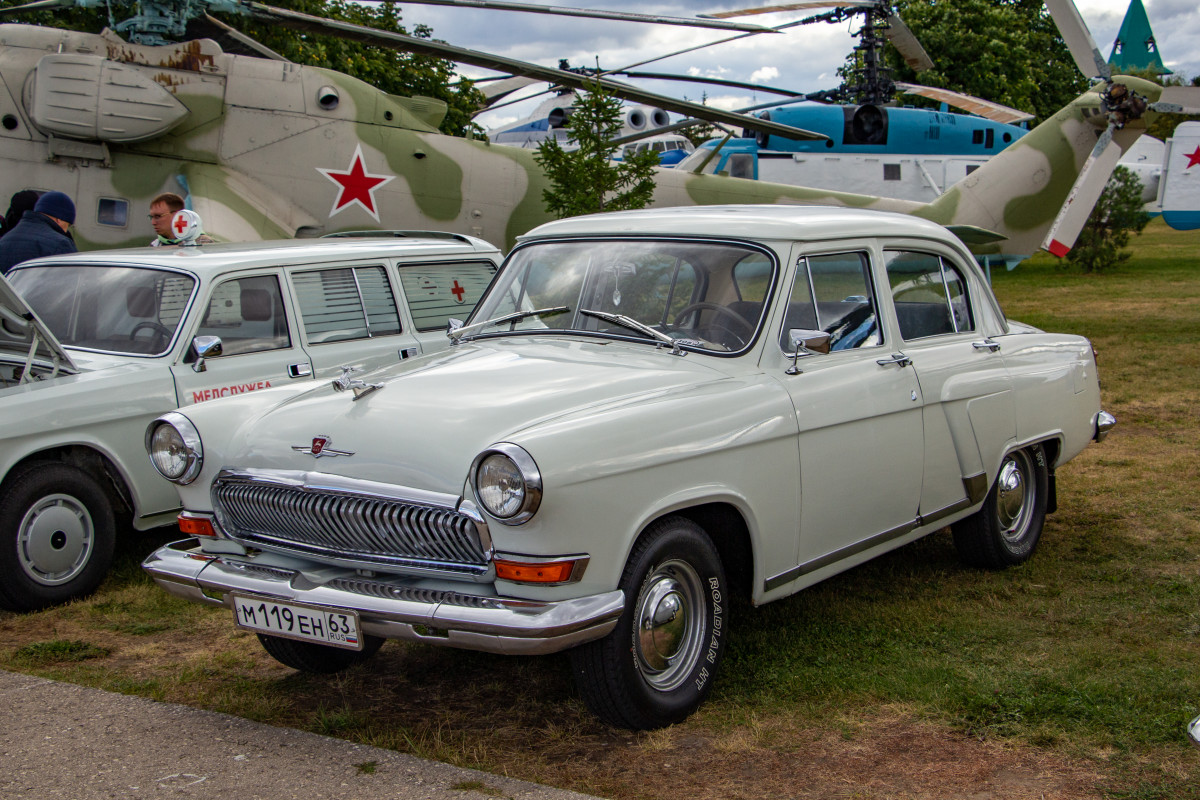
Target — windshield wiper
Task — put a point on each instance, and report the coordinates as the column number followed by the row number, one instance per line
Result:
column 633, row 325
column 457, row 334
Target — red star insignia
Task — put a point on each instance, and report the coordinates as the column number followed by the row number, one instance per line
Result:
column 1193, row 158
column 355, row 185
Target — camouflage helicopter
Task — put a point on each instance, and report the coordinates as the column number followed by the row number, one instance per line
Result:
column 263, row 148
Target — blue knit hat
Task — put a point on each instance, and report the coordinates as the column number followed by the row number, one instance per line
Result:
column 57, row 205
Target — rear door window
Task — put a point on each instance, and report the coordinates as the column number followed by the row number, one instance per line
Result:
column 437, row 292
column 346, row 303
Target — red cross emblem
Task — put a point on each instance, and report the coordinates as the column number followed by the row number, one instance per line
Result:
column 1193, row 158
column 356, row 185
column 180, row 224
column 457, row 291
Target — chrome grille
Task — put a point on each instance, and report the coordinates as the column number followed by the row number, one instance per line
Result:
column 353, row 527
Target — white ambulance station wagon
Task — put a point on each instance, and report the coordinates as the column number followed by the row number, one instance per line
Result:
column 118, row 337
column 649, row 414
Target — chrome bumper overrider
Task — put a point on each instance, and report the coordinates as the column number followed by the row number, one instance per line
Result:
column 393, row 611
column 1104, row 423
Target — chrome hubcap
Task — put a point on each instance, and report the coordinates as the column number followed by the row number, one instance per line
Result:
column 669, row 617
column 1014, row 496
column 55, row 539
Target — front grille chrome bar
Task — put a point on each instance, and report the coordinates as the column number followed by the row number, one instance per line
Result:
column 363, row 523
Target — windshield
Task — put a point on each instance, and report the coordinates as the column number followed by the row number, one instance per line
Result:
column 706, row 295
column 111, row 309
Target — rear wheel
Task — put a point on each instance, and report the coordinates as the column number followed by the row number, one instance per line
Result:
column 658, row 664
column 317, row 658
column 1005, row 531
column 57, row 531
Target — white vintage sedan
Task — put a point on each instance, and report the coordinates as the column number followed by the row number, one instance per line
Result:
column 648, row 415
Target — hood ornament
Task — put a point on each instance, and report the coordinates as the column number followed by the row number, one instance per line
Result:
column 360, row 387
column 320, row 447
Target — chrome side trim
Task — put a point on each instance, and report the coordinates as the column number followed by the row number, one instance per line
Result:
column 976, row 488
column 837, row 555
column 395, row 609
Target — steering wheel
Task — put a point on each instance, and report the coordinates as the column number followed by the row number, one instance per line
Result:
column 742, row 337
column 161, row 332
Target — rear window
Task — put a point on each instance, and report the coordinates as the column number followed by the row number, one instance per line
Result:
column 437, row 292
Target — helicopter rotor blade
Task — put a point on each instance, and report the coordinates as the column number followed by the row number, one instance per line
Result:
column 1079, row 39
column 40, row 5
column 1178, row 100
column 624, row 16
column 248, row 41
column 905, row 42
column 1090, row 183
column 670, row 76
column 430, row 47
column 804, row 6
column 977, row 106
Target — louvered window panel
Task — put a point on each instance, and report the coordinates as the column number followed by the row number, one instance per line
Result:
column 352, row 527
column 339, row 305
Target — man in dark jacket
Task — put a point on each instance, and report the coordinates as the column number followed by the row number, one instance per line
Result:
column 41, row 232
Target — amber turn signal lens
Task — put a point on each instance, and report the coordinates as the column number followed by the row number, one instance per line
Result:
column 553, row 572
column 196, row 526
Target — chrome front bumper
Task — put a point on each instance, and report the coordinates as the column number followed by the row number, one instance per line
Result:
column 392, row 611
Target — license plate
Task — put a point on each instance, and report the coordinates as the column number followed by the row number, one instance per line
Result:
column 332, row 626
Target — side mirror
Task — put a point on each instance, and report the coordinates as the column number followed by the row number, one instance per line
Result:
column 452, row 325
column 806, row 342
column 203, row 347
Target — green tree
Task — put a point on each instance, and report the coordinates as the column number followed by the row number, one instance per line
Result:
column 1006, row 51
column 392, row 71
column 586, row 180
column 1118, row 214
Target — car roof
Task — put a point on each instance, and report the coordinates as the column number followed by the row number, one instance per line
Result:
column 802, row 223
column 211, row 259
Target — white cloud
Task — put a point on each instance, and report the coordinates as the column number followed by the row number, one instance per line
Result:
column 764, row 75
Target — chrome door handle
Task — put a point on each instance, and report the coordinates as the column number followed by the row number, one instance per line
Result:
column 301, row 370
column 899, row 359
column 986, row 344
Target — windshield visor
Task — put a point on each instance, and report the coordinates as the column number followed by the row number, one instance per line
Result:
column 107, row 309
column 708, row 296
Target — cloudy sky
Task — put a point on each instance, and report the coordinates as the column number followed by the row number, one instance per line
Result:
column 805, row 58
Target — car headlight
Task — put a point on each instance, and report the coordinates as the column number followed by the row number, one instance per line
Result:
column 507, row 483
column 174, row 447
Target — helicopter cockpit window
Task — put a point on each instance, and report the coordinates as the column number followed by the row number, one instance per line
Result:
column 112, row 212
column 108, row 309
column 706, row 295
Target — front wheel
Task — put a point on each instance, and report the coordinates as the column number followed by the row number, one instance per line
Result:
column 658, row 664
column 1005, row 531
column 317, row 658
column 57, row 530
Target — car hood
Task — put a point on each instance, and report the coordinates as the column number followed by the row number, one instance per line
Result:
column 20, row 328
column 432, row 417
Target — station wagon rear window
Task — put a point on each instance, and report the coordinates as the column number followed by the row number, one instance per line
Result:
column 339, row 305
column 437, row 292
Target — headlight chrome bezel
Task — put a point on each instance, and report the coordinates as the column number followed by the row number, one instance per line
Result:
column 531, row 478
column 189, row 436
